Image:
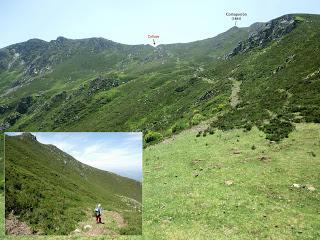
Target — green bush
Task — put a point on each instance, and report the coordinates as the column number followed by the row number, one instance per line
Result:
column 199, row 134
column 278, row 129
column 196, row 119
column 179, row 126
column 152, row 137
column 221, row 106
column 248, row 127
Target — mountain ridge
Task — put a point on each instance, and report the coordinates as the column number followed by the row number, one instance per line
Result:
column 253, row 26
column 171, row 87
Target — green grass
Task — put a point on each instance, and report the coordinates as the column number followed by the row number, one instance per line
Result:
column 260, row 204
column 2, row 230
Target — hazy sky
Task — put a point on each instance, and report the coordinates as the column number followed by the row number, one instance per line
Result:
column 117, row 152
column 130, row 22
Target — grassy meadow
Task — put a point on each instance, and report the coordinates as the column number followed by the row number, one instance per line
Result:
column 233, row 185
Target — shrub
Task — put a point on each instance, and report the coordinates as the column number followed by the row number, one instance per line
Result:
column 199, row 134
column 196, row 119
column 152, row 137
column 211, row 131
column 278, row 129
column 179, row 126
column 221, row 107
column 248, row 127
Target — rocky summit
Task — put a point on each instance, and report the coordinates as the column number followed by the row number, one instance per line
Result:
column 272, row 30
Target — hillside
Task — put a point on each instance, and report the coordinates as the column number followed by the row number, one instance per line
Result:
column 1, row 184
column 73, row 80
column 52, row 192
column 99, row 85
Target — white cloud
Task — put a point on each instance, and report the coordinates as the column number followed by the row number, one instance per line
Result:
column 120, row 153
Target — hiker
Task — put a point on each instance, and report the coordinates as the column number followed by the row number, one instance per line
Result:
column 98, row 212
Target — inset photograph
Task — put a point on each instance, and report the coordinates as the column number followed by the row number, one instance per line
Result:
column 75, row 183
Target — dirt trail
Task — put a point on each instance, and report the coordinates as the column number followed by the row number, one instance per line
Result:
column 16, row 227
column 111, row 222
column 234, row 98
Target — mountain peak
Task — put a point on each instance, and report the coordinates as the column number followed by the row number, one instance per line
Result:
column 27, row 135
column 61, row 39
column 264, row 33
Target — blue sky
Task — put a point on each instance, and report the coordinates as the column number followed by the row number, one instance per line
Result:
column 130, row 22
column 117, row 152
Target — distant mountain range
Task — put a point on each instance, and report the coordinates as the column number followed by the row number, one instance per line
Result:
column 265, row 75
column 52, row 192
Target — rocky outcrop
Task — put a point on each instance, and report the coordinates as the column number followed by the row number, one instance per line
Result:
column 24, row 104
column 35, row 57
column 4, row 58
column 27, row 136
column 272, row 30
column 14, row 111
column 207, row 95
column 4, row 108
column 9, row 121
column 101, row 83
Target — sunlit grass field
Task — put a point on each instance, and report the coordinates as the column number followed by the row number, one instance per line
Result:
column 233, row 185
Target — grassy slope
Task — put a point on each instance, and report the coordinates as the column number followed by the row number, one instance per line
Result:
column 38, row 192
column 261, row 204
column 2, row 184
column 287, row 94
column 147, row 86
column 150, row 101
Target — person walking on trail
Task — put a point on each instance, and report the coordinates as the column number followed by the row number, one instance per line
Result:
column 98, row 212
